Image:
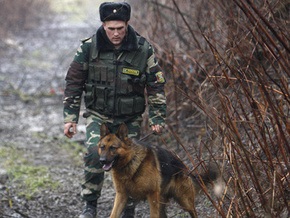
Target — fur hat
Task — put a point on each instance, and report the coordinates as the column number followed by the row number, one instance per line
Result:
column 115, row 11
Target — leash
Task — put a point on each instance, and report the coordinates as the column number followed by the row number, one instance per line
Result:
column 146, row 136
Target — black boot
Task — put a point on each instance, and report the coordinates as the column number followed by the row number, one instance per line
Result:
column 129, row 210
column 90, row 210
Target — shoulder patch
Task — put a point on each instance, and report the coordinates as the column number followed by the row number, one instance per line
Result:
column 159, row 77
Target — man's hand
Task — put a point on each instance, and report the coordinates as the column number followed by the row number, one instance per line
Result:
column 157, row 128
column 70, row 129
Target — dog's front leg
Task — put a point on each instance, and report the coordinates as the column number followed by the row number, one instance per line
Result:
column 119, row 205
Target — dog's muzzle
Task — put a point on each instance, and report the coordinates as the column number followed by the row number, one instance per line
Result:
column 107, row 165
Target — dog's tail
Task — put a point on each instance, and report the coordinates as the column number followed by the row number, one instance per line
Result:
column 210, row 176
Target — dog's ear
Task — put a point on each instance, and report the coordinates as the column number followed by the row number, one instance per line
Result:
column 104, row 130
column 122, row 132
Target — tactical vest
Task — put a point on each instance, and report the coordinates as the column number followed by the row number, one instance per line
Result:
column 116, row 81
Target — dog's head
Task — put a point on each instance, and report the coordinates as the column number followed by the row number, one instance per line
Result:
column 111, row 146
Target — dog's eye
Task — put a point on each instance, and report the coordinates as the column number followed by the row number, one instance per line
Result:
column 102, row 147
column 113, row 148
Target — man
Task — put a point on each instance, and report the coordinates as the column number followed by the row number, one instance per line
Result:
column 113, row 68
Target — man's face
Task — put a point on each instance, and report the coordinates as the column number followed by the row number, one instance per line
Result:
column 116, row 31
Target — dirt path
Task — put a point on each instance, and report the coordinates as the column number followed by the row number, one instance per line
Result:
column 32, row 67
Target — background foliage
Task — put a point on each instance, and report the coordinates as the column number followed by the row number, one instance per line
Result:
column 227, row 68
column 18, row 15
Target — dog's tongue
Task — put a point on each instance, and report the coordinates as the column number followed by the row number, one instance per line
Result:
column 107, row 166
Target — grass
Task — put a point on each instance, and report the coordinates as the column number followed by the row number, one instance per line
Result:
column 74, row 149
column 37, row 60
column 71, row 147
column 28, row 178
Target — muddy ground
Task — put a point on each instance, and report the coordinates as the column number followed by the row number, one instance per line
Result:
column 32, row 70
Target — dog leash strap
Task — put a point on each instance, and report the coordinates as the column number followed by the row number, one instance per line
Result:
column 146, row 136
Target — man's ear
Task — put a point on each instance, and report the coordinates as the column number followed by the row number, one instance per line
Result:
column 104, row 25
column 122, row 132
column 104, row 130
column 126, row 24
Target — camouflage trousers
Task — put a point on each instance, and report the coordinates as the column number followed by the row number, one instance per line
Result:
column 93, row 172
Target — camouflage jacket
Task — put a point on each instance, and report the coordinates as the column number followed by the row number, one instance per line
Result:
column 77, row 75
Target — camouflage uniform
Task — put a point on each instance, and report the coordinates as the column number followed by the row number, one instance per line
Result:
column 76, row 83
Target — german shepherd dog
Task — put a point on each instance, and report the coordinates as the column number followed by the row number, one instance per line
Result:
column 142, row 172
